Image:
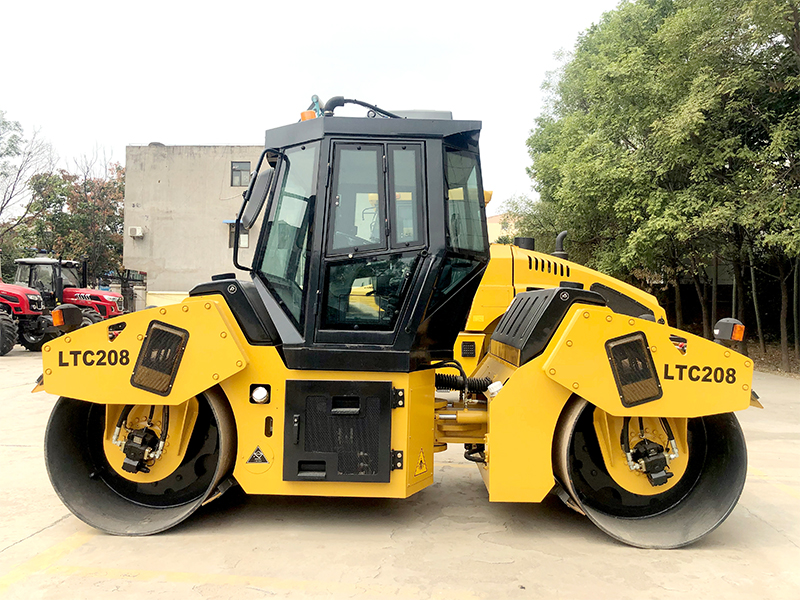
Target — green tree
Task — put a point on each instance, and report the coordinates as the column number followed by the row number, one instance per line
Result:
column 80, row 215
column 671, row 140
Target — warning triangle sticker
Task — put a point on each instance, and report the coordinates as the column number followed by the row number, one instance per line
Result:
column 421, row 466
column 257, row 457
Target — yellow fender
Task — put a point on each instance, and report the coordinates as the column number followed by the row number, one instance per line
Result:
column 523, row 416
column 704, row 379
column 97, row 363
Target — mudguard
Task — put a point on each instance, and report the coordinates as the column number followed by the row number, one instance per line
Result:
column 544, row 362
column 691, row 378
column 109, row 354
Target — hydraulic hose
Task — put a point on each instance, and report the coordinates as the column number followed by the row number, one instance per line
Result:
column 445, row 381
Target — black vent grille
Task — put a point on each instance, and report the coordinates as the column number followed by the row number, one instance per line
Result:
column 159, row 359
column 354, row 437
column 544, row 265
column 338, row 431
column 523, row 315
column 532, row 319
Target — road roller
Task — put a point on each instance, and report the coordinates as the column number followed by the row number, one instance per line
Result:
column 374, row 327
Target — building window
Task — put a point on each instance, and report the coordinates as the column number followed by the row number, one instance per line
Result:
column 244, row 237
column 240, row 174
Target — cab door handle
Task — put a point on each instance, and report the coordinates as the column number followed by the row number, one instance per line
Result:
column 296, row 429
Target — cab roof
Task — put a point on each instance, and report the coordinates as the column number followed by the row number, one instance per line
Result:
column 313, row 129
column 46, row 261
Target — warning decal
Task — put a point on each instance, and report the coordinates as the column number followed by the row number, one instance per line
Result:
column 421, row 466
column 257, row 457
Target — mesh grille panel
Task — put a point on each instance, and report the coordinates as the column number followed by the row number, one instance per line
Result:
column 343, row 429
column 355, row 439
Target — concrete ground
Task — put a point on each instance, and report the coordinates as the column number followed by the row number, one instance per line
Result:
column 446, row 542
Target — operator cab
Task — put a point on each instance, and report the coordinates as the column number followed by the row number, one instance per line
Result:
column 42, row 274
column 373, row 239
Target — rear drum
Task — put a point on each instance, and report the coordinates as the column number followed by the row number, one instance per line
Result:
column 691, row 507
column 102, row 497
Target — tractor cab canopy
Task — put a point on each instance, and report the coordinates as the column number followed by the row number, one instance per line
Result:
column 372, row 226
column 41, row 273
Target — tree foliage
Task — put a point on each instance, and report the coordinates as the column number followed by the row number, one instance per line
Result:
column 20, row 158
column 79, row 215
column 671, row 137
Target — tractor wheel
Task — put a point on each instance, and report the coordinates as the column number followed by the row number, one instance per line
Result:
column 707, row 478
column 8, row 333
column 86, row 468
column 34, row 342
column 90, row 317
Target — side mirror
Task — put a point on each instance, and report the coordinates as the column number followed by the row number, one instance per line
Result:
column 255, row 199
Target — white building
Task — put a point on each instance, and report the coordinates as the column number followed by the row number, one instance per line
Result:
column 180, row 204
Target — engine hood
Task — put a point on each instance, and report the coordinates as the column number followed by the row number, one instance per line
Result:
column 10, row 288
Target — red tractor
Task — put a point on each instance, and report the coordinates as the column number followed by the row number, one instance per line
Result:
column 63, row 282
column 21, row 318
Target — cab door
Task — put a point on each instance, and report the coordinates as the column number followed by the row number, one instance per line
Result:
column 376, row 232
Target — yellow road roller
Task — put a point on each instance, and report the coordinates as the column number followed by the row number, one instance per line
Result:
column 375, row 328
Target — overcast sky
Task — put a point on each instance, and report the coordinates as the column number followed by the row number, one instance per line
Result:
column 94, row 77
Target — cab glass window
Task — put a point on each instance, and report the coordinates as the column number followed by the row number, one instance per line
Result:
column 366, row 294
column 405, row 195
column 71, row 277
column 357, row 212
column 464, row 203
column 22, row 276
column 284, row 262
column 42, row 277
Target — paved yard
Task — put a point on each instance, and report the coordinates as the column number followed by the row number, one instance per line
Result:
column 446, row 542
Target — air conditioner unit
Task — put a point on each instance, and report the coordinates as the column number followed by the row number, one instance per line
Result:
column 136, row 232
